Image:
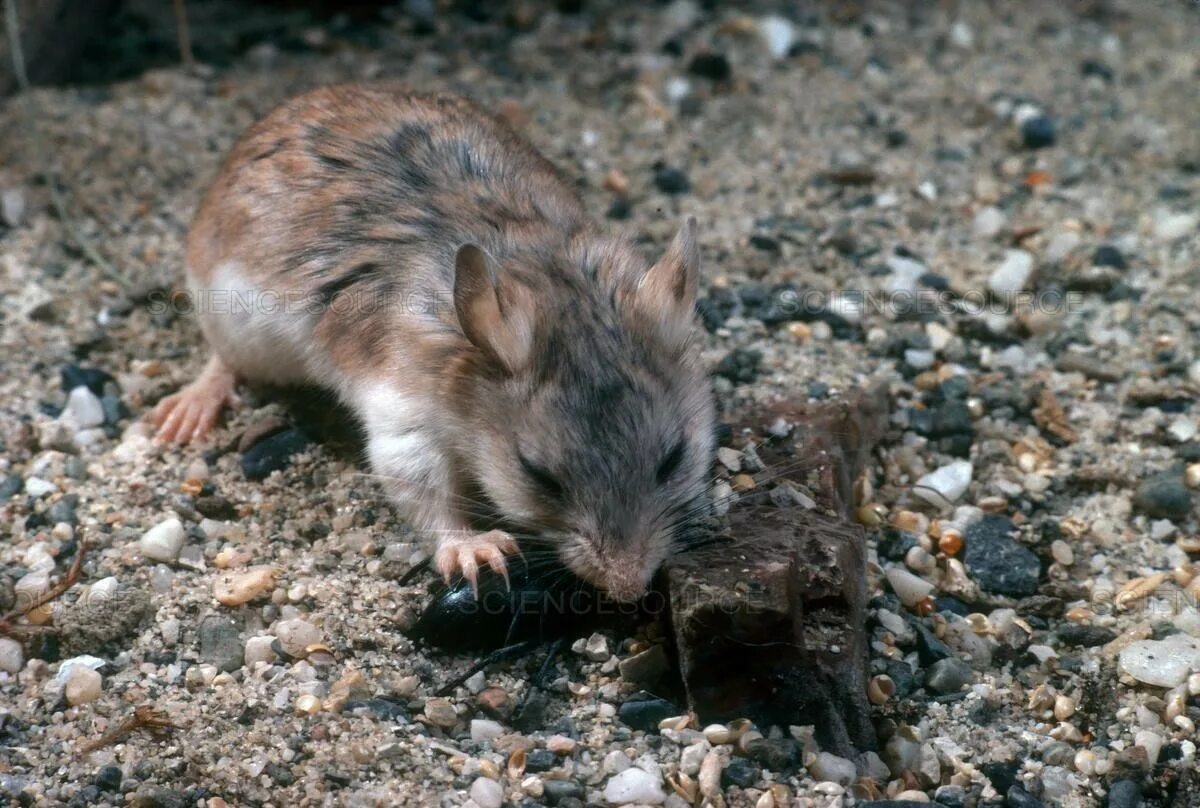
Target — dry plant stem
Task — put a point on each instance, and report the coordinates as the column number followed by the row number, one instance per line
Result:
column 144, row 717
column 185, row 37
column 12, row 25
column 7, row 625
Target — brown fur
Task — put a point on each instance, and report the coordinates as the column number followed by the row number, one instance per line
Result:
column 438, row 255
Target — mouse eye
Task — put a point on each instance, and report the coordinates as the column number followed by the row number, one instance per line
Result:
column 544, row 480
column 670, row 463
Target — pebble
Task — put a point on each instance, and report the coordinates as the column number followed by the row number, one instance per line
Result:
column 730, row 458
column 221, row 644
column 1084, row 635
column 1106, row 255
column 259, row 649
column 83, row 410
column 1012, row 274
column 83, row 685
column 908, row 587
column 274, row 452
column 831, row 768
column 988, row 222
column 1161, row 663
column 236, row 589
column 634, row 785
column 487, row 793
column 1038, row 132
column 997, row 562
column 297, row 634
column 483, row 729
column 713, row 66
column 946, row 484
column 1018, row 797
column 778, row 33
column 37, row 488
column 12, row 656
column 1172, row 226
column 1125, row 794
column 740, row 773
column 561, row 745
column 644, row 712
column 12, row 206
column 1164, row 496
column 671, row 180
column 541, row 760
column 596, row 648
column 163, row 541
column 440, row 712
column 948, row 675
column 561, row 792
column 645, row 667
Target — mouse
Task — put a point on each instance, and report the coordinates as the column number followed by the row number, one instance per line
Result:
column 524, row 381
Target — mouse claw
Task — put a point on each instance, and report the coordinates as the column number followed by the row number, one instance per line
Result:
column 464, row 554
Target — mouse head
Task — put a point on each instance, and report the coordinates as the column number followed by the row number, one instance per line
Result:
column 591, row 417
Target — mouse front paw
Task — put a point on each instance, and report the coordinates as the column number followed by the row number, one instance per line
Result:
column 465, row 552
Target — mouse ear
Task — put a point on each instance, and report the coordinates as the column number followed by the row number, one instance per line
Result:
column 495, row 323
column 666, row 294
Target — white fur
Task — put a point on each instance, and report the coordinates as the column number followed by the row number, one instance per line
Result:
column 258, row 332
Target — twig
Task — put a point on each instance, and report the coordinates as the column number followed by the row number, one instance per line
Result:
column 12, row 25
column 7, row 622
column 185, row 38
column 144, row 717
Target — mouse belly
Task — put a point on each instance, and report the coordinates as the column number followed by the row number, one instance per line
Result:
column 263, row 334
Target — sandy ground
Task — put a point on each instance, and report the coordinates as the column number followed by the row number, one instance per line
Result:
column 951, row 154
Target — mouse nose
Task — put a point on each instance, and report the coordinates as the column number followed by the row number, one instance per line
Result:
column 623, row 582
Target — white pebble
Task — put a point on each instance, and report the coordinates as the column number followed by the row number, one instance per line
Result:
column 297, row 634
column 1012, row 274
column 778, row 33
column 12, row 656
column 1172, row 226
column 163, row 541
column 484, row 730
column 487, row 793
column 36, row 487
column 636, row 786
column 988, row 222
column 833, row 769
column 1151, row 741
column 1162, row 663
column 83, row 410
column 947, row 483
column 258, row 649
column 83, row 685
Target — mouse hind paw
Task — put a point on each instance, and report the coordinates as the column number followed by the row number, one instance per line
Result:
column 190, row 414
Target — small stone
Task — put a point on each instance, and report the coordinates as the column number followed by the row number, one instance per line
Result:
column 910, row 588
column 643, row 711
column 494, row 701
column 948, row 675
column 83, row 685
column 83, row 409
column 833, row 769
column 1018, row 797
column 1173, row 226
column 37, row 488
column 634, row 786
column 297, row 634
column 671, row 180
column 1038, row 132
column 12, row 656
column 562, row 792
column 1161, row 663
column 274, row 452
column 540, row 760
column 236, row 589
column 484, row 730
column 740, row 773
column 776, row 754
column 163, row 541
column 1164, row 496
column 997, row 562
column 946, row 484
column 441, row 713
column 259, row 649
column 1125, row 794
column 487, row 793
column 988, row 222
column 645, row 668
column 560, row 745
column 714, row 66
column 596, row 648
column 778, row 33
column 109, row 779
column 1106, row 255
column 730, row 458
column 1086, row 636
column 220, row 643
column 12, row 206
column 1012, row 274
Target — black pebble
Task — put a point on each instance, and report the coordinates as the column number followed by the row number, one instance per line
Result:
column 1106, row 255
column 1091, row 67
column 895, row 543
column 1125, row 794
column 1018, row 797
column 929, row 648
column 384, row 709
column 11, row 485
column 765, row 243
column 739, row 773
column 671, row 180
column 1038, row 132
column 620, row 209
column 997, row 562
column 895, row 138
column 108, row 778
column 559, row 792
column 273, row 452
column 1085, row 636
column 643, row 711
column 740, row 366
column 63, row 510
column 1164, row 496
column 94, row 379
column 540, row 760
column 776, row 754
column 711, row 66
column 1003, row 774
